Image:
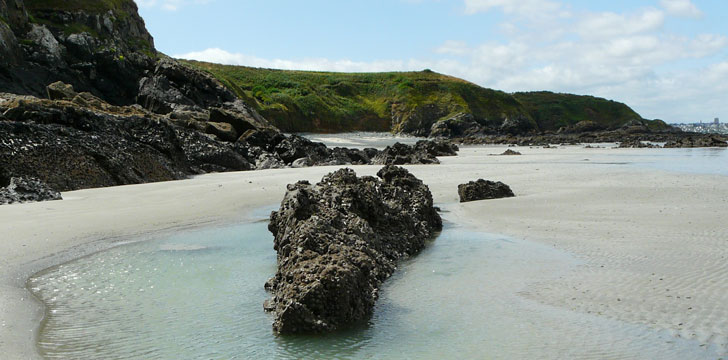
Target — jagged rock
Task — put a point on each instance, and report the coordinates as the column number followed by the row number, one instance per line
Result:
column 517, row 124
column 74, row 146
column 269, row 161
column 241, row 116
column 22, row 190
column 224, row 131
column 295, row 147
column 60, row 91
column 172, row 85
column 400, row 154
column 10, row 53
column 96, row 51
column 46, row 42
column 266, row 139
column 338, row 240
column 510, row 152
column 483, row 190
column 698, row 141
column 636, row 143
column 437, row 148
column 462, row 124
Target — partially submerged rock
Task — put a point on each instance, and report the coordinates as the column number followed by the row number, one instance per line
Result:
column 23, row 190
column 338, row 240
column 483, row 190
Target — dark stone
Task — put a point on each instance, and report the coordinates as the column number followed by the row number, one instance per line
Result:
column 172, row 86
column 107, row 60
column 401, row 154
column 483, row 190
column 510, row 152
column 60, row 91
column 338, row 240
column 88, row 143
column 22, row 190
column 698, row 141
column 437, row 148
column 456, row 126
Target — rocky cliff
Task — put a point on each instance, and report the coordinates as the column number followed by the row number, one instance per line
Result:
column 98, row 46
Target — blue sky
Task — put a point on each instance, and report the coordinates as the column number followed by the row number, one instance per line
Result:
column 667, row 59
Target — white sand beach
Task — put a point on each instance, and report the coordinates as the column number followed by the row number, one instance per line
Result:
column 652, row 244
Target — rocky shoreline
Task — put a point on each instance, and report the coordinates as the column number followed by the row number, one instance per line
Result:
column 338, row 240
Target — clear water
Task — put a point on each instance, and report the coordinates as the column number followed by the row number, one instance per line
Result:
column 695, row 161
column 199, row 295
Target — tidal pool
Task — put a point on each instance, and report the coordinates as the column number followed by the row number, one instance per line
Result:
column 199, row 295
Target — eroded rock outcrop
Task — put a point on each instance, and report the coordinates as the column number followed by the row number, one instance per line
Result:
column 698, row 141
column 101, row 47
column 18, row 190
column 483, row 190
column 338, row 240
column 85, row 142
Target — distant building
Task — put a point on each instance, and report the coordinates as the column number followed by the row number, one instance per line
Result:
column 716, row 121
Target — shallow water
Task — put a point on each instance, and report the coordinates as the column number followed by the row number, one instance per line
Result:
column 199, row 294
column 695, row 161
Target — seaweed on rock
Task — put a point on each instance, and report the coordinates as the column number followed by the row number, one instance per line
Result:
column 338, row 240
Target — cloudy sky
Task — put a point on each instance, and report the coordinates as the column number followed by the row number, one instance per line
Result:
column 667, row 59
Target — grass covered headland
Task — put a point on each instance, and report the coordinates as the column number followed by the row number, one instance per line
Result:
column 407, row 102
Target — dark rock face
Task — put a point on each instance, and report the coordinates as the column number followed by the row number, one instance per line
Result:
column 457, row 126
column 423, row 152
column 675, row 138
column 400, row 154
column 172, row 85
column 510, row 152
column 338, row 240
column 87, row 143
column 104, row 52
column 22, row 190
column 437, row 148
column 483, row 190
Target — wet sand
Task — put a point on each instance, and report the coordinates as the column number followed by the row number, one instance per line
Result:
column 651, row 244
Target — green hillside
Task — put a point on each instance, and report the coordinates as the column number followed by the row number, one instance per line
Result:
column 554, row 110
column 332, row 102
column 409, row 102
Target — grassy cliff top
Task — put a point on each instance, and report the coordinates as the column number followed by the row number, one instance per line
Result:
column 331, row 102
column 93, row 6
column 554, row 110
column 404, row 101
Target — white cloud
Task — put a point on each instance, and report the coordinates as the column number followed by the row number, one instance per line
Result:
column 224, row 57
column 681, row 8
column 627, row 56
column 609, row 24
column 525, row 8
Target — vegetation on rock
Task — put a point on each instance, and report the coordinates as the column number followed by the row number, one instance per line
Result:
column 408, row 102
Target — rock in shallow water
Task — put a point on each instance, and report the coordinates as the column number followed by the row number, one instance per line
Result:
column 338, row 240
column 483, row 190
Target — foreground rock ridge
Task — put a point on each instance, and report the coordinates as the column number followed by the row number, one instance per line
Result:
column 338, row 240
